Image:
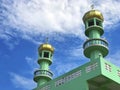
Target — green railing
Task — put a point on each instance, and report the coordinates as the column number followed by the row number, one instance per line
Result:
column 96, row 41
column 43, row 73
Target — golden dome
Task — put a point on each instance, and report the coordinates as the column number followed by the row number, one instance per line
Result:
column 46, row 46
column 93, row 13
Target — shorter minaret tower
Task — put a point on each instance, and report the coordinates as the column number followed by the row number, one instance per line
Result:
column 43, row 75
column 94, row 46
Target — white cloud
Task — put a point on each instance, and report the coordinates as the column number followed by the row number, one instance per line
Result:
column 31, row 18
column 31, row 61
column 110, row 9
column 34, row 17
column 77, row 52
column 22, row 82
column 9, row 40
column 115, row 58
column 60, row 68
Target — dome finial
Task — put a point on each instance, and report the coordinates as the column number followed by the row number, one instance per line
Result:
column 92, row 6
column 93, row 13
column 46, row 41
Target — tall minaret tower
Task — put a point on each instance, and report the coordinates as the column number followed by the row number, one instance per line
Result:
column 43, row 75
column 94, row 46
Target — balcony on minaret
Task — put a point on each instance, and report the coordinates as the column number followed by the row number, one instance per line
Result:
column 95, row 44
column 42, row 74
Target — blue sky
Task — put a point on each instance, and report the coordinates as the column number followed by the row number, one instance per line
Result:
column 24, row 25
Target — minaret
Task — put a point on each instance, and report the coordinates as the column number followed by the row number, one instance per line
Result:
column 94, row 46
column 43, row 75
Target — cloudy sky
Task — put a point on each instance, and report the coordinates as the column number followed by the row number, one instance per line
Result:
column 24, row 25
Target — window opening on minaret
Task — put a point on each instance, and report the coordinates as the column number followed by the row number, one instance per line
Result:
column 46, row 54
column 98, row 22
column 90, row 23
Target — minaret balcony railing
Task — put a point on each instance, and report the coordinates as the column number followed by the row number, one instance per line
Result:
column 93, row 42
column 43, row 73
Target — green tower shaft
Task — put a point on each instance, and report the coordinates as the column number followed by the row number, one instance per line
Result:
column 43, row 74
column 94, row 46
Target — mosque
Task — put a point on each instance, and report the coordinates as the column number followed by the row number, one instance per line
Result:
column 98, row 74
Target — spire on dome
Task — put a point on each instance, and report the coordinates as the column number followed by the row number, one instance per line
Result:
column 46, row 41
column 92, row 6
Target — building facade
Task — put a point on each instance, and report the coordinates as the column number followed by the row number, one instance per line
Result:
column 98, row 74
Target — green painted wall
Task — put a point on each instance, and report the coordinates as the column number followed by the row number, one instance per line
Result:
column 79, row 78
column 110, row 70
